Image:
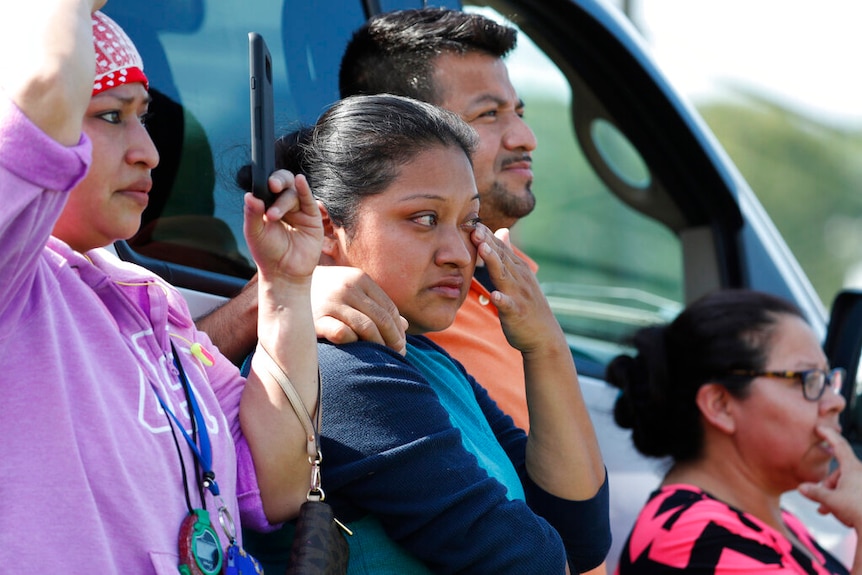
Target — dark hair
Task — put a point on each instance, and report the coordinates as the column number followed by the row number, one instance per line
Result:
column 358, row 146
column 288, row 150
column 721, row 332
column 394, row 52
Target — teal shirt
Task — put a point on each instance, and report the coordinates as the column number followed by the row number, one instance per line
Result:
column 371, row 550
column 458, row 399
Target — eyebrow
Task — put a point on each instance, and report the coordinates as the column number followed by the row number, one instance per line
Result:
column 496, row 100
column 430, row 197
column 128, row 100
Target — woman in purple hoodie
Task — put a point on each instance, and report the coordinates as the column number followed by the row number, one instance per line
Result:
column 130, row 444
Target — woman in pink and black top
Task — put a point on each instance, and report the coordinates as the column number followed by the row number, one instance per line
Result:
column 738, row 393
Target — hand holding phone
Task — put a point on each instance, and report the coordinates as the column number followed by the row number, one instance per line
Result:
column 262, row 117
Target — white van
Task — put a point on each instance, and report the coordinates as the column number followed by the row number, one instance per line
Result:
column 639, row 209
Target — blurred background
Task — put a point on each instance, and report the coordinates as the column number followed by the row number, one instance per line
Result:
column 778, row 83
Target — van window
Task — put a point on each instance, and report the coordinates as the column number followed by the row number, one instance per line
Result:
column 606, row 268
column 196, row 56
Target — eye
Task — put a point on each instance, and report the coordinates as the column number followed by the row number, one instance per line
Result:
column 145, row 117
column 112, row 117
column 482, row 115
column 471, row 223
column 429, row 220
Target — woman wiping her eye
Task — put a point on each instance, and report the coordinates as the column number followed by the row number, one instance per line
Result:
column 423, row 467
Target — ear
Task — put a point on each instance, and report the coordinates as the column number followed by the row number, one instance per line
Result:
column 716, row 407
column 331, row 250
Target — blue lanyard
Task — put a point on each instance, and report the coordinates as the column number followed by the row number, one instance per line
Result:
column 203, row 454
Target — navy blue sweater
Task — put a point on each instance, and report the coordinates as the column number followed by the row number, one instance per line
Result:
column 390, row 450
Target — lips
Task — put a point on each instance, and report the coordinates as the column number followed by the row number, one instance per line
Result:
column 452, row 287
column 138, row 191
column 142, row 185
column 521, row 167
column 826, row 446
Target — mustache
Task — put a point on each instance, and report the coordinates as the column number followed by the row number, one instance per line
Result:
column 525, row 157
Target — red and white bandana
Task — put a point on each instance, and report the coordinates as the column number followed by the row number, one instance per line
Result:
column 117, row 59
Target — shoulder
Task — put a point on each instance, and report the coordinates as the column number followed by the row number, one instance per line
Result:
column 799, row 529
column 365, row 367
column 145, row 287
column 681, row 507
column 681, row 524
column 339, row 356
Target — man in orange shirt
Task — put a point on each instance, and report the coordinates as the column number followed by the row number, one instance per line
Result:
column 455, row 60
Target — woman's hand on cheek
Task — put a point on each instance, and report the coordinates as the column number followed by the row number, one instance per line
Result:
column 285, row 239
column 839, row 492
column 525, row 314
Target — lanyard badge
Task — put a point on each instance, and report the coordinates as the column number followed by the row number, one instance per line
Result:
column 200, row 550
column 199, row 547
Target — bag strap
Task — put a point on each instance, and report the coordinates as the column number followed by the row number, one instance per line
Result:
column 315, row 492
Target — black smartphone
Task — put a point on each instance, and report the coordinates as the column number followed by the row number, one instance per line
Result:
column 262, row 114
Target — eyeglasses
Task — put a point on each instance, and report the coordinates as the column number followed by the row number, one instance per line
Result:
column 814, row 381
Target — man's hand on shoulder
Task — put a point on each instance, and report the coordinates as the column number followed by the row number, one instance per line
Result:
column 349, row 306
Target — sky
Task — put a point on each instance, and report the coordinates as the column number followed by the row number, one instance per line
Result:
column 803, row 53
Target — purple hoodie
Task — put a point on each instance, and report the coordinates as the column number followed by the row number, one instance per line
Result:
column 90, row 476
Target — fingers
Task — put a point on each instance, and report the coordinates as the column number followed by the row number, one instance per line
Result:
column 503, row 235
column 509, row 273
column 283, row 184
column 285, row 239
column 840, row 447
column 348, row 305
column 292, row 194
column 525, row 315
column 503, row 265
column 352, row 326
column 336, row 331
column 838, row 493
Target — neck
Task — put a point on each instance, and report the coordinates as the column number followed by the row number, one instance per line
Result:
column 733, row 486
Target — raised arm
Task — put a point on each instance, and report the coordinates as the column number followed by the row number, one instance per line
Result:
column 51, row 79
column 563, row 455
column 285, row 243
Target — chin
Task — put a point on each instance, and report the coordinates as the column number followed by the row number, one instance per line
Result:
column 429, row 325
column 817, row 473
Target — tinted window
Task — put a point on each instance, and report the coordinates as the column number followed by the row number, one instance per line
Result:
column 196, row 56
column 606, row 268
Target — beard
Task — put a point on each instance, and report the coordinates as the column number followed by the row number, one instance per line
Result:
column 501, row 207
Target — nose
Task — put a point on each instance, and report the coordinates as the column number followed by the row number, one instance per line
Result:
column 142, row 150
column 518, row 135
column 832, row 402
column 455, row 248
